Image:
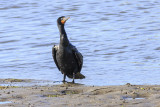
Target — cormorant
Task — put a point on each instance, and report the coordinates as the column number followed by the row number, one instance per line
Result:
column 66, row 56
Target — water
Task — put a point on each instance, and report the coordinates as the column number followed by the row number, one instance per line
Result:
column 119, row 39
column 132, row 98
column 5, row 102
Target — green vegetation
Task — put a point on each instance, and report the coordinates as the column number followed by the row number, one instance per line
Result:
column 14, row 80
column 5, row 87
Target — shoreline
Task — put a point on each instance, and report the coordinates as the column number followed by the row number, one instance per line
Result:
column 73, row 95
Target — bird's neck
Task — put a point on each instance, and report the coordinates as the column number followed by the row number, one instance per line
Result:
column 62, row 30
column 63, row 36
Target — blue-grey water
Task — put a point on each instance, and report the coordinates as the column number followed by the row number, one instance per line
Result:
column 119, row 39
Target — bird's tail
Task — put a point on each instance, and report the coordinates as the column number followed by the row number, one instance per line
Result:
column 78, row 75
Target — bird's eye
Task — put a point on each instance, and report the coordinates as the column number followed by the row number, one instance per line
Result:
column 61, row 18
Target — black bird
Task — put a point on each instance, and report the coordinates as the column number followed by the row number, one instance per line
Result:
column 66, row 56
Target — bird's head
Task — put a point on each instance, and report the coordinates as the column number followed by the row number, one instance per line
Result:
column 61, row 20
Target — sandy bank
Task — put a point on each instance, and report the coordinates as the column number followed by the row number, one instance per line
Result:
column 76, row 95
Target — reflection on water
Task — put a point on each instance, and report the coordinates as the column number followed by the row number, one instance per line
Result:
column 118, row 39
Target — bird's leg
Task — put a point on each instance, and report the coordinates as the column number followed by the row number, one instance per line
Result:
column 64, row 78
column 73, row 77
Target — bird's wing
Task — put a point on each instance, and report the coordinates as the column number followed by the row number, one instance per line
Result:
column 54, row 51
column 78, row 57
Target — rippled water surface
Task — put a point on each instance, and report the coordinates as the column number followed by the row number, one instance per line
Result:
column 119, row 39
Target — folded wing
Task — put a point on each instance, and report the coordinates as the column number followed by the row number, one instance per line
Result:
column 78, row 57
column 54, row 51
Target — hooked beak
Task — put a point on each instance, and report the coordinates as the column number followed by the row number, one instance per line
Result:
column 64, row 20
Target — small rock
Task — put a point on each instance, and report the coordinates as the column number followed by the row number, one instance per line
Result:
column 125, row 93
column 128, row 84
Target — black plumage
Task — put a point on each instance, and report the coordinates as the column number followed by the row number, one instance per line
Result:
column 66, row 56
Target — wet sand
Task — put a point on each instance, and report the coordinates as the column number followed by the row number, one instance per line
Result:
column 77, row 95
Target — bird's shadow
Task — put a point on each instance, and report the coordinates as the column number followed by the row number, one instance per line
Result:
column 67, row 83
column 71, row 83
